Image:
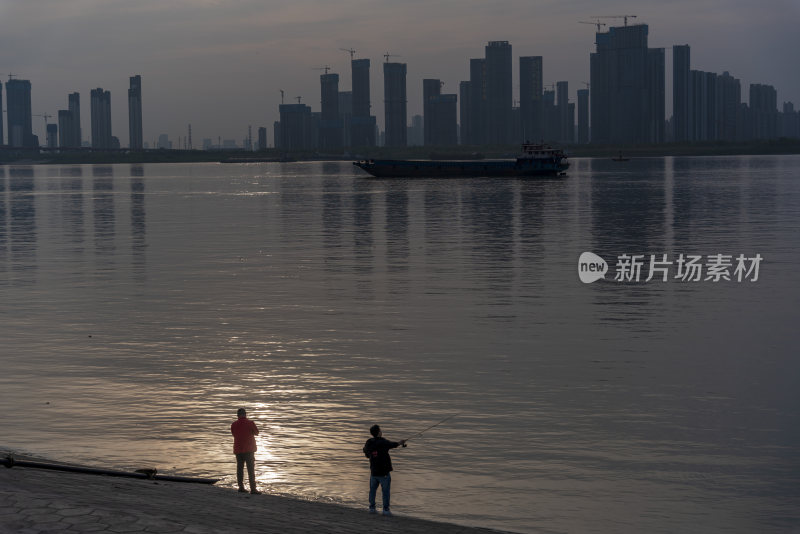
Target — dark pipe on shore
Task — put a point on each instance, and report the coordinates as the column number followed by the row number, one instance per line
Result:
column 150, row 474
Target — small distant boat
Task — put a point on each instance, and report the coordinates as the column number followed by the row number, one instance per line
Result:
column 535, row 160
column 620, row 157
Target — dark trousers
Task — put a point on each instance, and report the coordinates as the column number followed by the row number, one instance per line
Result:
column 248, row 458
column 385, row 482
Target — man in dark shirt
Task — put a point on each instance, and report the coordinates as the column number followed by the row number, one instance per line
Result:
column 380, row 464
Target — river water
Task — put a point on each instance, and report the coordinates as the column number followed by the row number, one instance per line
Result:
column 140, row 305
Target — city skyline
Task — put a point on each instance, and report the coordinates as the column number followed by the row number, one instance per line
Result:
column 220, row 67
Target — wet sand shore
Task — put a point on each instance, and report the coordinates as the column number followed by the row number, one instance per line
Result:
column 39, row 501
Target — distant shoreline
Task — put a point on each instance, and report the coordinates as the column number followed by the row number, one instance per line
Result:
column 754, row 148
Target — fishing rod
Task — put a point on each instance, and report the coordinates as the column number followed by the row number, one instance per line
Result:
column 418, row 434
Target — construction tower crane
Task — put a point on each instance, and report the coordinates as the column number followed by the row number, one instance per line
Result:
column 281, row 90
column 298, row 98
column 597, row 23
column 326, row 68
column 45, row 115
column 387, row 55
column 624, row 17
column 350, row 50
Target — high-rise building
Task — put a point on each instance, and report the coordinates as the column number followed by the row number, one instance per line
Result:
column 477, row 102
column 463, row 111
column 571, row 122
column 430, row 88
column 165, row 143
column 52, row 135
column 262, row 138
column 499, row 92
column 763, row 111
column 626, row 83
column 530, row 97
column 550, row 116
column 790, row 121
column 362, row 129
column 65, row 128
column 295, row 127
column 1, row 115
column 680, row 92
column 74, row 107
column 395, row 102
column 516, row 124
column 136, row 138
column 703, row 106
column 346, row 115
column 583, row 116
column 698, row 106
column 330, row 126
column 655, row 115
column 730, row 99
column 20, row 118
column 443, row 120
column 276, row 134
column 101, row 118
column 415, row 132
column 564, row 118
column 69, row 123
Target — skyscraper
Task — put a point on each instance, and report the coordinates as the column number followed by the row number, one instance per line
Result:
column 101, row 118
column 499, row 92
column 702, row 106
column 430, row 88
column 550, row 115
column 564, row 117
column 530, row 97
column 276, row 134
column 395, row 102
column 294, row 127
column 52, row 135
column 626, row 83
column 680, row 92
column 18, row 107
column 262, row 138
column 69, row 123
column 477, row 102
column 463, row 111
column 136, row 141
column 655, row 90
column 1, row 114
column 415, row 131
column 74, row 107
column 443, row 120
column 583, row 116
column 330, row 135
column 730, row 97
column 64, row 128
column 764, row 111
column 346, row 115
column 362, row 129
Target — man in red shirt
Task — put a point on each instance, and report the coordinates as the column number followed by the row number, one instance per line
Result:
column 244, row 447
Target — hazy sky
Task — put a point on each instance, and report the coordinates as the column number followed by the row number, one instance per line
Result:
column 219, row 64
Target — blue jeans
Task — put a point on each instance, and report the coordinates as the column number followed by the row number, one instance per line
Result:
column 386, row 484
